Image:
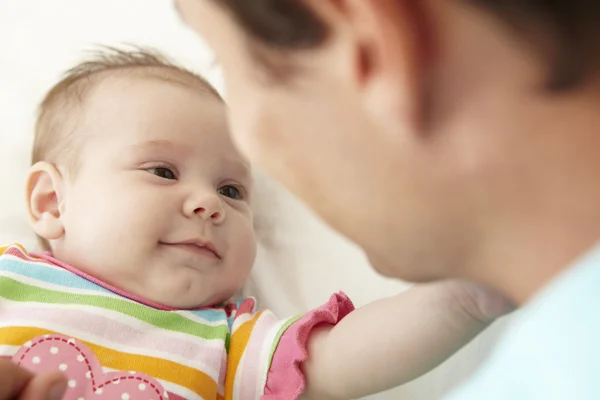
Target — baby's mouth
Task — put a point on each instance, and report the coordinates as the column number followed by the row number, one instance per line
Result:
column 204, row 249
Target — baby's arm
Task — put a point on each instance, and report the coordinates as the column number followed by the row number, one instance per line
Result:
column 392, row 341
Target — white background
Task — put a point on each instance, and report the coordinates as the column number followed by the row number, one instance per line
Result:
column 300, row 263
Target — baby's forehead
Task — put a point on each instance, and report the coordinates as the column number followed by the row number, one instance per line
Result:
column 80, row 100
column 122, row 82
column 154, row 116
column 151, row 109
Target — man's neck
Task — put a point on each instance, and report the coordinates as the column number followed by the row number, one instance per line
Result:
column 549, row 215
column 521, row 273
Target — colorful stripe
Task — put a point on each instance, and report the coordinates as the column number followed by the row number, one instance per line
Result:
column 43, row 271
column 249, row 381
column 199, row 354
column 17, row 291
column 218, row 353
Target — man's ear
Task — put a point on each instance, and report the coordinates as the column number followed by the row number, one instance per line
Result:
column 394, row 51
column 44, row 194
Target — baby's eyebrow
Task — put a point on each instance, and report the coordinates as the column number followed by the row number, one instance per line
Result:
column 240, row 168
column 154, row 145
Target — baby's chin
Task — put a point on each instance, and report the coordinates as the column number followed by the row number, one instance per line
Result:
column 182, row 300
column 178, row 288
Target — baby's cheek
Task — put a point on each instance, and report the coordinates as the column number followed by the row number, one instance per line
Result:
column 247, row 247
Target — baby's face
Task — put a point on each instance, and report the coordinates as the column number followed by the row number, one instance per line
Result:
column 159, row 205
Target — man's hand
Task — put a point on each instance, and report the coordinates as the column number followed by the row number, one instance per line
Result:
column 19, row 384
column 481, row 303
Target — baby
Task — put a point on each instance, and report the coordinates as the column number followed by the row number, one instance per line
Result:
column 143, row 204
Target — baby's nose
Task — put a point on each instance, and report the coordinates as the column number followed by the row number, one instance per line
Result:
column 206, row 206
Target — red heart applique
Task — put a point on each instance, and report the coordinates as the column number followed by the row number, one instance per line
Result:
column 80, row 365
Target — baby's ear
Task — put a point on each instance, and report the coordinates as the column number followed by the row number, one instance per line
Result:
column 44, row 191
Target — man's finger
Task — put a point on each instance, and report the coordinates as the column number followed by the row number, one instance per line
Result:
column 50, row 386
column 13, row 380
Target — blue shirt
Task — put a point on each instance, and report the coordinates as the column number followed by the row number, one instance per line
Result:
column 552, row 350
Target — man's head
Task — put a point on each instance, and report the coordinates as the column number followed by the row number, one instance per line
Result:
column 427, row 131
column 135, row 180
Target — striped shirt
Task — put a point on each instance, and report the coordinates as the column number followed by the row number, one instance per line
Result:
column 227, row 352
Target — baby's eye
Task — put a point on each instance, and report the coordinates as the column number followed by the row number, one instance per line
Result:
column 163, row 172
column 230, row 191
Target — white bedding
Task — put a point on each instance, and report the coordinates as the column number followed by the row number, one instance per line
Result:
column 300, row 261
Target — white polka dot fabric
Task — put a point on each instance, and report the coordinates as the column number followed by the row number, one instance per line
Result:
column 86, row 380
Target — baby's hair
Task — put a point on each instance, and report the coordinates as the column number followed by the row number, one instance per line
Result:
column 57, row 114
column 61, row 109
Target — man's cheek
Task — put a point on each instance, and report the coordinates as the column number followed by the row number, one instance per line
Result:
column 251, row 134
column 242, row 138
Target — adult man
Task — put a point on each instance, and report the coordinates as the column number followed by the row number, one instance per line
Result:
column 448, row 139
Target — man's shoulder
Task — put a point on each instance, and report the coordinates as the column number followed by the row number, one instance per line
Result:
column 552, row 349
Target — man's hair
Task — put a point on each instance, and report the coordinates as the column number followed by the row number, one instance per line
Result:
column 61, row 108
column 565, row 32
column 55, row 140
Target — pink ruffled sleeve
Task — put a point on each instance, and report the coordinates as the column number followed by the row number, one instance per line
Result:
column 285, row 380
